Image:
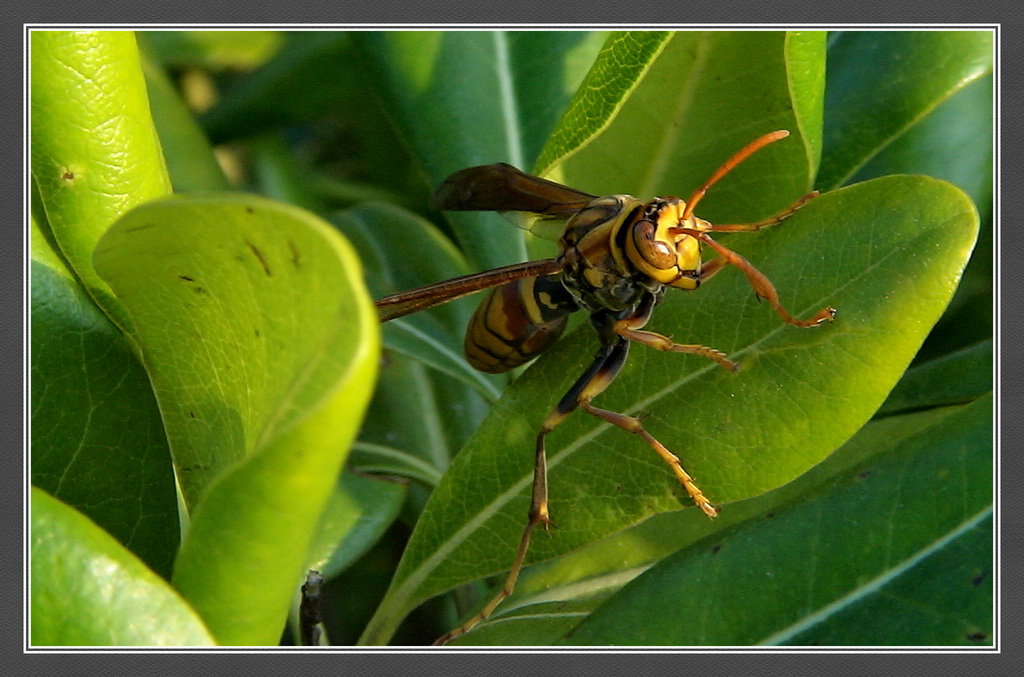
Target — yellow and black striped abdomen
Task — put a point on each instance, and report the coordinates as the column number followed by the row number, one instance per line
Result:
column 516, row 322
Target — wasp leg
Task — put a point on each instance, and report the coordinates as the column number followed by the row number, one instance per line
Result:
column 664, row 343
column 761, row 284
column 598, row 376
column 595, row 381
column 507, row 588
column 630, row 328
column 633, row 425
column 770, row 221
column 709, row 268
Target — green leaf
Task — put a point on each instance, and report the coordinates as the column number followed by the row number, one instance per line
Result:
column 240, row 50
column 699, row 101
column 95, row 153
column 87, row 590
column 951, row 379
column 887, row 253
column 881, row 83
column 391, row 241
column 191, row 163
column 896, row 552
column 954, row 142
column 86, row 383
column 426, row 413
column 474, row 97
column 377, row 459
column 361, row 509
column 553, row 597
column 619, row 67
column 261, row 344
column 282, row 176
column 291, row 86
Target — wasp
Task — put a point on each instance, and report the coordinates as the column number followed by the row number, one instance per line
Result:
column 618, row 255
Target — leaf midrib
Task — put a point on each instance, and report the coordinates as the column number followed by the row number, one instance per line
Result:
column 875, row 584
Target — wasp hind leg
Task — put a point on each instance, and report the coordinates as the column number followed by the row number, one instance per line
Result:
column 538, row 515
column 599, row 375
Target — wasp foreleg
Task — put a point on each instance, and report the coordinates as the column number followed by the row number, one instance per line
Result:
column 761, row 284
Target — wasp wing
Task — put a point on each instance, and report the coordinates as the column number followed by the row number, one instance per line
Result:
column 404, row 303
column 503, row 188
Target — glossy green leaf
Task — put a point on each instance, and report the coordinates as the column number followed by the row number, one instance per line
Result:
column 554, row 597
column 87, row 590
column 95, row 153
column 896, row 552
column 881, row 83
column 262, row 377
column 886, row 253
column 474, row 97
column 700, row 101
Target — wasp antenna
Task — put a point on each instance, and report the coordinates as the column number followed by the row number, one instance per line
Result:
column 730, row 164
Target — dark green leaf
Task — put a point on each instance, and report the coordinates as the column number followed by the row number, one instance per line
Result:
column 425, row 413
column 903, row 540
column 881, row 83
column 955, row 378
column 553, row 597
column 377, row 459
column 361, row 509
column 287, row 88
column 87, row 383
column 391, row 242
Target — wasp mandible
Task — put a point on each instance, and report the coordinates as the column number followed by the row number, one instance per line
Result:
column 617, row 257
